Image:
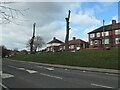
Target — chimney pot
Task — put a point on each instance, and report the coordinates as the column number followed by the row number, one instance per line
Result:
column 113, row 22
column 54, row 38
column 74, row 38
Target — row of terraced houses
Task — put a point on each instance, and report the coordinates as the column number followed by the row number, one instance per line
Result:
column 104, row 36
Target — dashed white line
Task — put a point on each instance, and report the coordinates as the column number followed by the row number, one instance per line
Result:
column 51, row 69
column 66, row 69
column 21, row 68
column 84, row 71
column 93, row 84
column 51, row 76
column 5, row 75
column 12, row 66
column 40, row 66
column 27, row 70
column 31, row 71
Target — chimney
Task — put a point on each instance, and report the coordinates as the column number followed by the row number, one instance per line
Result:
column 74, row 38
column 113, row 22
column 54, row 38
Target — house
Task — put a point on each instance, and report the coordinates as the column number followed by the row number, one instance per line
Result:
column 54, row 45
column 77, row 44
column 74, row 45
column 105, row 36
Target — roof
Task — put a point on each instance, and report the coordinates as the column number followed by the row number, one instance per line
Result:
column 76, row 41
column 106, row 28
column 55, row 41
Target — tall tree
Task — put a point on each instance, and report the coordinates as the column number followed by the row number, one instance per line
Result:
column 67, row 32
column 32, row 39
column 38, row 42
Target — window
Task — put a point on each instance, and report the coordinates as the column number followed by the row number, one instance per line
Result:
column 106, row 33
column 78, row 45
column 71, row 46
column 92, row 35
column 117, row 40
column 91, row 42
column 106, row 41
column 117, row 32
column 64, row 47
column 98, row 34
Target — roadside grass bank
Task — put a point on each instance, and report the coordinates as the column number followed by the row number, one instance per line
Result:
column 107, row 59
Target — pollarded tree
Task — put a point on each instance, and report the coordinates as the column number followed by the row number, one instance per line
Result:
column 37, row 43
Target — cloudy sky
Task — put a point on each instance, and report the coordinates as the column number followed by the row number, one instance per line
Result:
column 50, row 20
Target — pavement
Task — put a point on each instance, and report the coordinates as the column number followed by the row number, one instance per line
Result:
column 112, row 71
column 21, row 74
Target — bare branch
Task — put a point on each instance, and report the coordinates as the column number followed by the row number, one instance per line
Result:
column 7, row 14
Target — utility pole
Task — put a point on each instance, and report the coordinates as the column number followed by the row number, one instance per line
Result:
column 67, row 32
column 103, row 35
column 32, row 39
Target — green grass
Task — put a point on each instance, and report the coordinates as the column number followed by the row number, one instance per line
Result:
column 91, row 58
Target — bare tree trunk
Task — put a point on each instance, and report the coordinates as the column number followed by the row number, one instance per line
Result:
column 67, row 32
column 32, row 39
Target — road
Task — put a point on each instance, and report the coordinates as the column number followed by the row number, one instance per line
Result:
column 31, row 75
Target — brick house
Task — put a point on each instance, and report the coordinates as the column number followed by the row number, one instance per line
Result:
column 74, row 45
column 54, row 45
column 109, row 38
column 77, row 44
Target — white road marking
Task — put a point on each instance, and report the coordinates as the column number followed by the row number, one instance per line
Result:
column 84, row 71
column 0, row 72
column 100, row 85
column 66, row 69
column 40, row 66
column 31, row 71
column 21, row 68
column 51, row 69
column 4, row 86
column 13, row 67
column 5, row 75
column 51, row 76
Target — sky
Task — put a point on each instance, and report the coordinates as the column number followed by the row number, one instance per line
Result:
column 50, row 21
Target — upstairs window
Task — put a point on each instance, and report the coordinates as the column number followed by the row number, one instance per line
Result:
column 98, row 34
column 105, row 33
column 92, row 35
column 117, row 32
column 78, row 45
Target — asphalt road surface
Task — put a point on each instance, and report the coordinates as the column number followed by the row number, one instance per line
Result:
column 29, row 75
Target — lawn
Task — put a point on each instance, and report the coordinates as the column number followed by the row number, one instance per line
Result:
column 87, row 58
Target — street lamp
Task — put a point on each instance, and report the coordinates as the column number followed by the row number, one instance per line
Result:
column 103, row 35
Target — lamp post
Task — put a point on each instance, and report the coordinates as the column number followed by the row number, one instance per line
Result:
column 103, row 35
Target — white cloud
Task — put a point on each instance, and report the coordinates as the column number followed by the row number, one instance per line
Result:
column 84, row 19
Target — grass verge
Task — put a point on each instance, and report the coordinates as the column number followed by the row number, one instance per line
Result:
column 92, row 58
